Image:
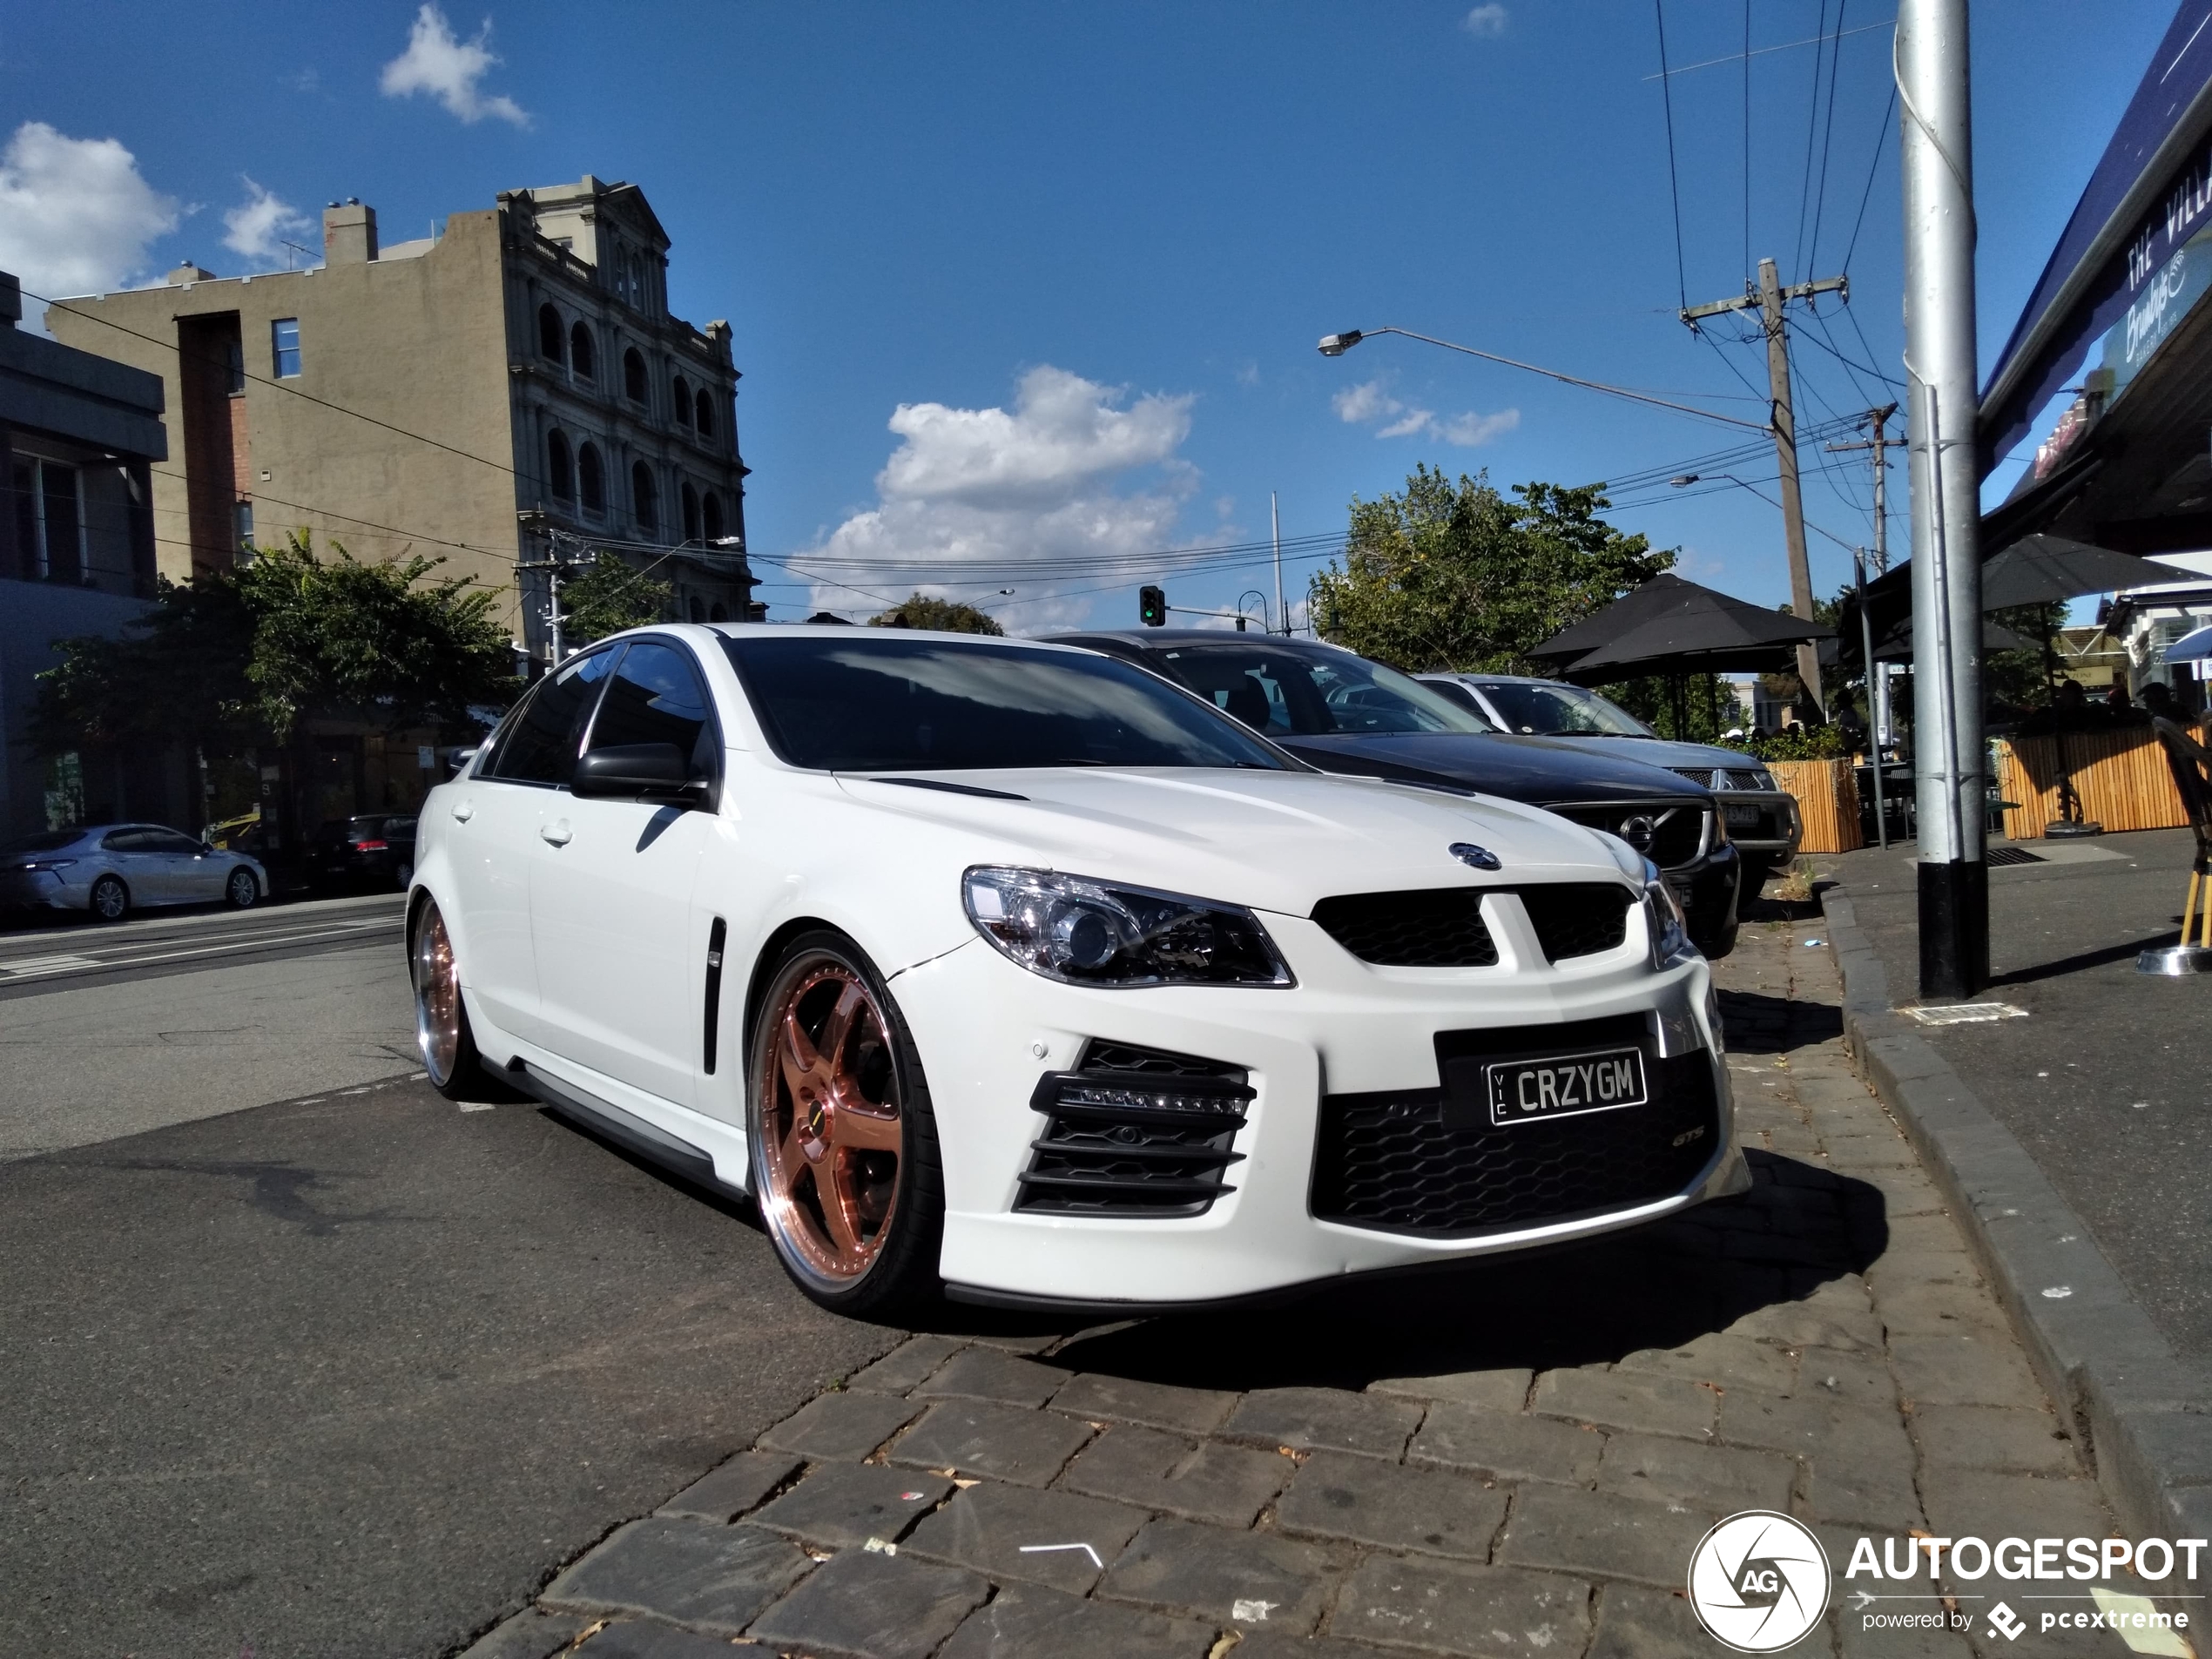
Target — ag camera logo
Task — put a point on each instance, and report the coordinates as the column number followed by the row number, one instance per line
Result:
column 1758, row 1582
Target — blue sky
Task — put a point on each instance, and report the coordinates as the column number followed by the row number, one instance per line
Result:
column 1088, row 250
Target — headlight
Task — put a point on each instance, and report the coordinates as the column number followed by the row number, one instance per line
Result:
column 1084, row 932
column 1663, row 919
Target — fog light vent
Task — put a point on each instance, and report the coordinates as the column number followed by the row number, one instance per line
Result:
column 1134, row 1132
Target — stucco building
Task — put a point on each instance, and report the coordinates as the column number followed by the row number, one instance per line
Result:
column 511, row 388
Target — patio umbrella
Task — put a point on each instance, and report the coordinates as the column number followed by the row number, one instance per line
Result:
column 1895, row 645
column 2191, row 647
column 1673, row 627
column 2040, row 569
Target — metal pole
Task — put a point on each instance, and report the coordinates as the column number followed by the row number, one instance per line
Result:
column 1785, row 452
column 1275, row 518
column 1936, row 143
column 1877, row 675
column 555, row 647
column 1873, row 679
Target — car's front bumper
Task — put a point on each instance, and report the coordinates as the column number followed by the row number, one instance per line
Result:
column 1764, row 825
column 989, row 1030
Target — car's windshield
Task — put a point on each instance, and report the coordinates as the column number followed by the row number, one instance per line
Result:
column 849, row 704
column 1548, row 709
column 1296, row 693
column 47, row 842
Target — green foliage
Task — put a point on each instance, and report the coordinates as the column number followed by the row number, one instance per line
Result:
column 2021, row 679
column 1449, row 576
column 1710, row 706
column 947, row 616
column 609, row 596
column 243, row 657
column 1796, row 743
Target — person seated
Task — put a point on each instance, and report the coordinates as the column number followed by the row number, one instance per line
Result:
column 2158, row 701
column 2069, row 711
column 2120, row 709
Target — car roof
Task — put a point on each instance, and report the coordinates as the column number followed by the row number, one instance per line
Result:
column 1148, row 638
column 1503, row 679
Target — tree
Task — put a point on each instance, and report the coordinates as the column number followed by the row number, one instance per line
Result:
column 1458, row 577
column 245, row 657
column 609, row 597
column 947, row 616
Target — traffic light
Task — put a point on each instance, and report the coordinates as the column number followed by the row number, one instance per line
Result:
column 1152, row 607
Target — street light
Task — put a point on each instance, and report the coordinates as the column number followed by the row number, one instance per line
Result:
column 1337, row 344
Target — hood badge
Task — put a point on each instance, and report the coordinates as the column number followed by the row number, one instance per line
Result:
column 1480, row 858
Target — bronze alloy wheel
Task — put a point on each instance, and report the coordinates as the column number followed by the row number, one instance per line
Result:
column 831, row 1131
column 437, row 998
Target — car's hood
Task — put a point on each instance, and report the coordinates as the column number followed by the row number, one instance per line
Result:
column 1547, row 771
column 1663, row 751
column 1275, row 840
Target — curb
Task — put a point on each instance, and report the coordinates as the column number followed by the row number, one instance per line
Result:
column 2144, row 1414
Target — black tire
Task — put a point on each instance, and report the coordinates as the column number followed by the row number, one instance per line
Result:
column 900, row 1275
column 403, row 874
column 454, row 1069
column 110, row 899
column 241, row 891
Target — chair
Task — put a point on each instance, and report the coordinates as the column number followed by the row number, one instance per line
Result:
column 2191, row 763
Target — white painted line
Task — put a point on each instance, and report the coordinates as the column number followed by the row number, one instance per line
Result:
column 1044, row 1549
column 1965, row 1013
column 48, row 964
column 98, row 964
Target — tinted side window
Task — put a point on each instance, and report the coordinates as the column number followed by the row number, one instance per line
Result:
column 162, row 840
column 127, row 841
column 541, row 748
column 656, row 697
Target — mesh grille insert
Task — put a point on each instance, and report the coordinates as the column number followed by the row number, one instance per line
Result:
column 1134, row 1132
column 1578, row 918
column 1439, row 928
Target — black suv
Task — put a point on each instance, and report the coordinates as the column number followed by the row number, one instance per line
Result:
column 374, row 850
column 1341, row 712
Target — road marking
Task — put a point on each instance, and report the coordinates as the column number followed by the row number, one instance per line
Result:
column 48, row 964
column 46, row 967
column 1044, row 1549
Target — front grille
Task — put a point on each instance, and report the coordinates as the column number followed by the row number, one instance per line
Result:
column 1388, row 1161
column 1578, row 918
column 1134, row 1132
column 1702, row 776
column 1745, row 780
column 1442, row 927
column 1668, row 833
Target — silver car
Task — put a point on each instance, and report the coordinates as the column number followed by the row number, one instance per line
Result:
column 113, row 869
column 1762, row 821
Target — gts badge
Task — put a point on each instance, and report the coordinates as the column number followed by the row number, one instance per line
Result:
column 1687, row 1136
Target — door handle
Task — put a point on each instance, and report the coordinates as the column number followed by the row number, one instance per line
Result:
column 463, row 812
column 557, row 833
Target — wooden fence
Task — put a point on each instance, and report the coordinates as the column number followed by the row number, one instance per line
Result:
column 2121, row 777
column 1827, row 796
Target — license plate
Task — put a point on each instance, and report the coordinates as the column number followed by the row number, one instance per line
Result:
column 1520, row 1091
column 1743, row 817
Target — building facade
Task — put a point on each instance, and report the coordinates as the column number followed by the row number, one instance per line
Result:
column 507, row 392
column 80, row 438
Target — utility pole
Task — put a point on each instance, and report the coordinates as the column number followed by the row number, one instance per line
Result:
column 554, row 569
column 1275, row 518
column 1936, row 146
column 1878, row 679
column 1769, row 298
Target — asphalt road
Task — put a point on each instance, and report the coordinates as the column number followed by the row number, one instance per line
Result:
column 345, row 1374
column 2103, row 1081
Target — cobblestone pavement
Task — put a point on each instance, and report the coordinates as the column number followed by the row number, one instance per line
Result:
column 1515, row 1459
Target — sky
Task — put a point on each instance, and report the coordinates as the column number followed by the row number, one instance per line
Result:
column 1021, row 293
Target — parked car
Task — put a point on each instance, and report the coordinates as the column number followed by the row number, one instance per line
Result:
column 1342, row 714
column 1763, row 820
column 1017, row 971
column 113, row 869
column 371, row 850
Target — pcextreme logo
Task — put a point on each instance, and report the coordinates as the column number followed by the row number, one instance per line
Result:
column 1758, row 1582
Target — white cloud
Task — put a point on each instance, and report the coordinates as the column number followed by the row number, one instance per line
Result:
column 1046, row 479
column 1356, row 405
column 1367, row 403
column 1415, row 421
column 74, row 215
column 438, row 62
column 1486, row 21
column 1471, row 430
column 257, row 227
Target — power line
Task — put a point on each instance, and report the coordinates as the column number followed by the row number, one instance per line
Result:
column 1673, row 186
column 1812, row 126
column 1827, row 137
column 1747, row 136
column 1881, row 137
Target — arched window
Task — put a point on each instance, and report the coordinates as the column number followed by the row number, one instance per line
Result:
column 633, row 375
column 690, row 514
column 706, row 415
column 581, row 356
column 548, row 334
column 718, row 615
column 641, row 496
column 683, row 402
column 696, row 608
column 591, row 480
column 560, row 472
column 710, row 518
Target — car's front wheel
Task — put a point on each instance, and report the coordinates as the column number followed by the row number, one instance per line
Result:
column 441, row 1033
column 110, row 899
column 843, row 1141
column 241, row 891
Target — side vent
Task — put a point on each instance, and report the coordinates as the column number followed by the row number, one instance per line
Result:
column 716, row 937
column 1135, row 1132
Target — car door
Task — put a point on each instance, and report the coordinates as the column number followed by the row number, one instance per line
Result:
column 145, row 870
column 620, row 975
column 496, row 812
column 194, row 876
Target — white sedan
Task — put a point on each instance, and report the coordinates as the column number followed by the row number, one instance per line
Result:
column 1011, row 972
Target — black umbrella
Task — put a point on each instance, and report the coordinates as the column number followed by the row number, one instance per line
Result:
column 1895, row 645
column 2041, row 569
column 1670, row 626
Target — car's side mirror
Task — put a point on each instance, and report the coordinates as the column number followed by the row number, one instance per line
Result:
column 457, row 762
column 206, row 848
column 635, row 771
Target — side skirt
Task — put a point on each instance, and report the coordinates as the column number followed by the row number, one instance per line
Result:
column 647, row 1141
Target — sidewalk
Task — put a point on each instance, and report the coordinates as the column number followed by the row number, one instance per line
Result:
column 1518, row 1459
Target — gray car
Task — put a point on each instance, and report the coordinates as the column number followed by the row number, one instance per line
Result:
column 113, row 869
column 1762, row 819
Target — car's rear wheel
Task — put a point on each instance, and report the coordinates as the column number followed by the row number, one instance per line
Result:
column 241, row 890
column 441, row 1033
column 110, row 899
column 843, row 1141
